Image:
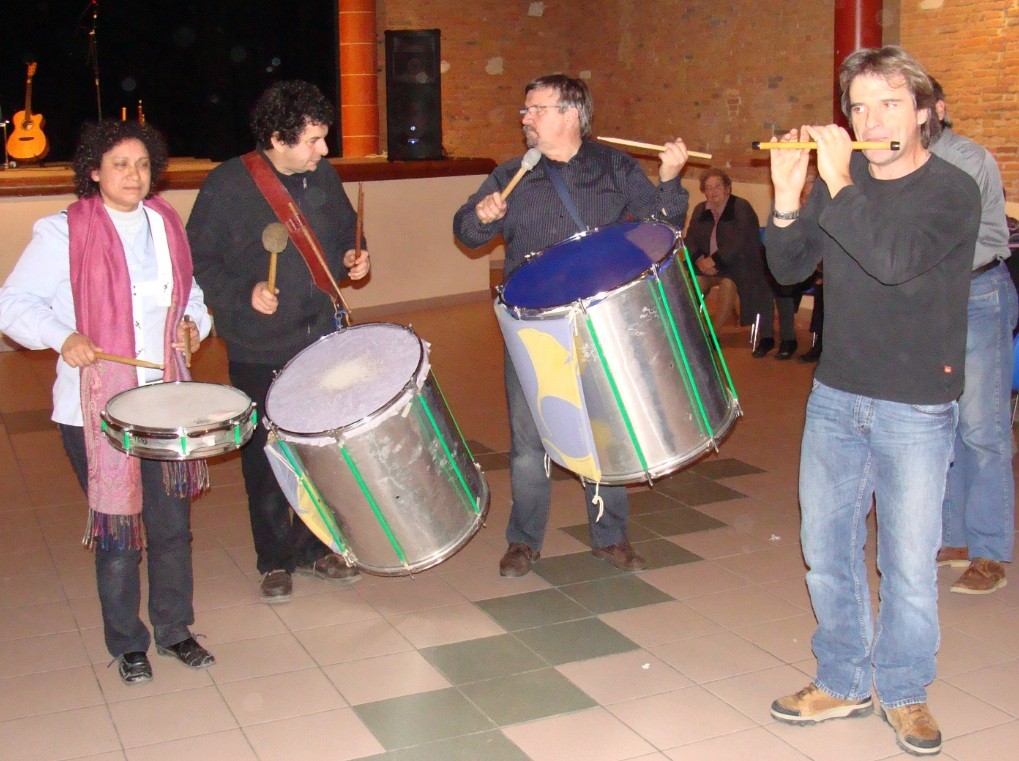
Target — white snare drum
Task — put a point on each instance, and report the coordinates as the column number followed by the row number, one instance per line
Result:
column 185, row 420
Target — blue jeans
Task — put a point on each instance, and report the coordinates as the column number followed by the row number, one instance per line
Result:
column 855, row 450
column 979, row 503
column 531, row 489
column 168, row 553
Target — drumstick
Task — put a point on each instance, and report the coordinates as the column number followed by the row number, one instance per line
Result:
column 274, row 240
column 186, row 322
column 887, row 145
column 527, row 163
column 649, row 146
column 359, row 228
column 128, row 360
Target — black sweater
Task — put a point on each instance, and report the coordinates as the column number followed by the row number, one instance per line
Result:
column 606, row 186
column 897, row 257
column 225, row 231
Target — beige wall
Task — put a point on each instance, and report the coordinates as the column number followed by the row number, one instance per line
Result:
column 408, row 224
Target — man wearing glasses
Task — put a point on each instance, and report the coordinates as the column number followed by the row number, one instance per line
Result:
column 605, row 186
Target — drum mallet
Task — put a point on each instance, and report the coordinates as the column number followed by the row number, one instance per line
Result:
column 274, row 239
column 527, row 163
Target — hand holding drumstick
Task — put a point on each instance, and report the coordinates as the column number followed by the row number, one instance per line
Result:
column 263, row 296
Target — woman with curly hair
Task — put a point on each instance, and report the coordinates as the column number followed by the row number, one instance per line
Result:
column 113, row 274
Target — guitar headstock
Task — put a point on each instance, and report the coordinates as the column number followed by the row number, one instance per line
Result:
column 31, row 69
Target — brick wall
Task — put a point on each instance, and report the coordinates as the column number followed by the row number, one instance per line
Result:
column 720, row 74
column 972, row 47
column 656, row 68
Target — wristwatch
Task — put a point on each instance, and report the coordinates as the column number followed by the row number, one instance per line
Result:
column 785, row 214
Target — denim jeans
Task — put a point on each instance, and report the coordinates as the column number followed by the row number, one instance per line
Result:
column 168, row 554
column 531, row 489
column 979, row 504
column 858, row 450
column 282, row 540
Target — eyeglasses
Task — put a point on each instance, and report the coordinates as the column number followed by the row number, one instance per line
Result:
column 539, row 110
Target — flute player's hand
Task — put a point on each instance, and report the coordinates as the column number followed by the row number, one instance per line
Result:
column 789, row 174
column 834, row 150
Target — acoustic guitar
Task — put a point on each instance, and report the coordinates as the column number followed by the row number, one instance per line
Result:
column 27, row 142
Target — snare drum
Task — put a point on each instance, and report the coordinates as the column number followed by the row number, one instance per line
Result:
column 622, row 374
column 372, row 458
column 185, row 420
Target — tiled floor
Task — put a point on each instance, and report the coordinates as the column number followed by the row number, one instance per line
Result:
column 574, row 661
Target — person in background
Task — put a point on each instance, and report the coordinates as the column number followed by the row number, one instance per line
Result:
column 979, row 509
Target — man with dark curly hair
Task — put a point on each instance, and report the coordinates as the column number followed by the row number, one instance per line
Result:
column 265, row 327
column 113, row 274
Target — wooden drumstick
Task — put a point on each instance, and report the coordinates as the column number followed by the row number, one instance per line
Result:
column 887, row 145
column 649, row 146
column 128, row 360
column 186, row 322
column 274, row 240
column 359, row 227
column 527, row 163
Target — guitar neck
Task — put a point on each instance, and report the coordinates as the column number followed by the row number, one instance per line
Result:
column 28, row 98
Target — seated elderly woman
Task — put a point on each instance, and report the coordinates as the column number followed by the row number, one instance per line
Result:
column 112, row 275
column 724, row 240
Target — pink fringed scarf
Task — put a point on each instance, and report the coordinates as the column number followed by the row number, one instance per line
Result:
column 101, row 287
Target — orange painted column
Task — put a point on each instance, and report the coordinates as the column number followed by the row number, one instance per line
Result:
column 359, row 102
column 857, row 25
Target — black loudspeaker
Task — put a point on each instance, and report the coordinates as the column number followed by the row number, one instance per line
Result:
column 413, row 95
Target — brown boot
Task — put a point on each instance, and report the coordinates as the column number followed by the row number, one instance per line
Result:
column 622, row 556
column 981, row 578
column 916, row 731
column 957, row 557
column 518, row 560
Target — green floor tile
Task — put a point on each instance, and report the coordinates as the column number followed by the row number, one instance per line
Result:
column 582, row 533
column 526, row 697
column 484, row 746
column 724, row 467
column 683, row 520
column 485, row 658
column 525, row 611
column 575, row 641
column 661, row 553
column 701, row 492
column 577, row 566
column 648, row 500
column 619, row 593
column 422, row 718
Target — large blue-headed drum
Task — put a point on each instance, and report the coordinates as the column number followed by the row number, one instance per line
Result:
column 623, row 375
column 368, row 453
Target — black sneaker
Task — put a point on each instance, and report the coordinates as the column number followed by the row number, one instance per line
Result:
column 134, row 667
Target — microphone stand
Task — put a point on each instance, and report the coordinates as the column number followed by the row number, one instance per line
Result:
column 93, row 55
column 8, row 164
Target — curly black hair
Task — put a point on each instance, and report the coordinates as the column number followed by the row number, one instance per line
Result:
column 285, row 109
column 98, row 138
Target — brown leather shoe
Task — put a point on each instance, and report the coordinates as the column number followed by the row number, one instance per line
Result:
column 622, row 556
column 518, row 560
column 981, row 578
column 957, row 557
column 276, row 586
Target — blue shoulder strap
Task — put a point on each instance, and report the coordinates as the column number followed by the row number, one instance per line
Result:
column 564, row 193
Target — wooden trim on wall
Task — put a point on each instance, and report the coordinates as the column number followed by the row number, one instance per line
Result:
column 189, row 174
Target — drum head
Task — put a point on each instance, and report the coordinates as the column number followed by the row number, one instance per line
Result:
column 176, row 406
column 343, row 378
column 594, row 262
